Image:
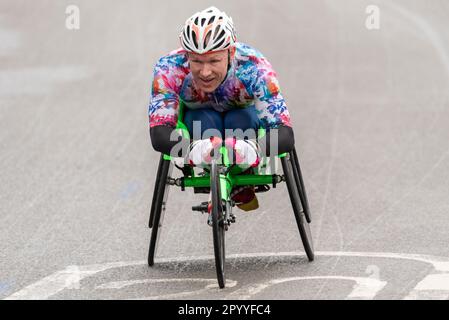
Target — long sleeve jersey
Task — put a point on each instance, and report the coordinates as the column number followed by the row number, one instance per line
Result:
column 250, row 81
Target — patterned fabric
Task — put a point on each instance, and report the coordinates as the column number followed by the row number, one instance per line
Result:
column 250, row 80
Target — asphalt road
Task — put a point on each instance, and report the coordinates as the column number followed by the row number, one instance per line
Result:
column 370, row 109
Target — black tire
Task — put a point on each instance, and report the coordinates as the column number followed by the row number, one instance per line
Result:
column 158, row 207
column 218, row 227
column 155, row 191
column 303, row 225
column 300, row 185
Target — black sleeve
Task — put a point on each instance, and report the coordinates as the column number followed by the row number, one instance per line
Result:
column 160, row 139
column 286, row 141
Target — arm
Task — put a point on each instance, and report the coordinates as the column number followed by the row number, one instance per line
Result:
column 165, row 138
column 272, row 110
column 169, row 73
column 286, row 141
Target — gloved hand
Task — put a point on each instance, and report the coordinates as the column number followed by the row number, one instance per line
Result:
column 245, row 152
column 201, row 151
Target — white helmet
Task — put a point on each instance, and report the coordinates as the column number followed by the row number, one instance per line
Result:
column 208, row 30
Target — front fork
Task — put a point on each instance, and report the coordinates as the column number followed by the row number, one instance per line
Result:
column 228, row 203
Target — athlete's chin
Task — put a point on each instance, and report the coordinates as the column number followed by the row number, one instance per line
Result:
column 208, row 88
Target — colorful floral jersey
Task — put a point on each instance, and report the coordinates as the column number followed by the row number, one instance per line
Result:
column 250, row 81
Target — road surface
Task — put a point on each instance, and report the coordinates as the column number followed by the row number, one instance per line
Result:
column 370, row 110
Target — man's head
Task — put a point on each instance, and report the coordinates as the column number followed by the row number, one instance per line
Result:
column 208, row 37
column 210, row 69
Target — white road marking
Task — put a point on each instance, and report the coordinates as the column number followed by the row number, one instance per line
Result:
column 211, row 286
column 123, row 284
column 55, row 283
column 434, row 282
column 439, row 263
column 431, row 34
column 434, row 287
column 364, row 288
column 60, row 280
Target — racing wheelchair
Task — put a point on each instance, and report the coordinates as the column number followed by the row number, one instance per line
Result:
column 219, row 181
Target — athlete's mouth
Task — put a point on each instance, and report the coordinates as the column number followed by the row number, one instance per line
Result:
column 207, row 80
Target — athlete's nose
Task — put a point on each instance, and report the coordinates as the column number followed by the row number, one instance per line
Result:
column 205, row 71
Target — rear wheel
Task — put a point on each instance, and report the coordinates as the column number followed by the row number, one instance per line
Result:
column 300, row 184
column 155, row 193
column 301, row 221
column 158, row 206
column 218, row 225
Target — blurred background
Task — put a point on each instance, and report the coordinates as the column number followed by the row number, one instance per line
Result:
column 369, row 107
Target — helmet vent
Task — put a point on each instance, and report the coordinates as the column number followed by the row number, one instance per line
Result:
column 207, row 38
column 218, row 44
column 186, row 45
column 195, row 42
column 221, row 35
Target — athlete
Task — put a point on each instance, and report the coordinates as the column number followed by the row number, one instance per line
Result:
column 229, row 90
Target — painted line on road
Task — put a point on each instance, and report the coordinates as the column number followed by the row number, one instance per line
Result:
column 364, row 289
column 211, row 286
column 72, row 275
column 432, row 287
column 67, row 278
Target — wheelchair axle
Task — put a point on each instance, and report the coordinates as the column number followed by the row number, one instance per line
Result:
column 229, row 217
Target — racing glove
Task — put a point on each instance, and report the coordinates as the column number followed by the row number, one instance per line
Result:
column 244, row 153
column 203, row 151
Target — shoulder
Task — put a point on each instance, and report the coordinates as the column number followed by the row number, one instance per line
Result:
column 248, row 58
column 246, row 63
column 252, row 68
column 244, row 51
column 170, row 71
column 175, row 61
column 248, row 55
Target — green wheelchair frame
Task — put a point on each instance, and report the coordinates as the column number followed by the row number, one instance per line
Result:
column 222, row 177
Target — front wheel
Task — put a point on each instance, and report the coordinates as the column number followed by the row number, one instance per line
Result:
column 218, row 225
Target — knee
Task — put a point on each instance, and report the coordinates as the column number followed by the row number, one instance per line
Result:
column 243, row 119
column 201, row 120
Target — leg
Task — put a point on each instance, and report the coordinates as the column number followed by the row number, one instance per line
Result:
column 244, row 123
column 241, row 124
column 203, row 123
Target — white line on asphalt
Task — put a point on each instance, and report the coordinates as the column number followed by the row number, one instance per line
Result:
column 211, row 286
column 123, row 284
column 431, row 34
column 364, row 288
column 432, row 287
column 60, row 280
column 72, row 275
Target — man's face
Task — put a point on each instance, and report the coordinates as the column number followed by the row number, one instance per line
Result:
column 209, row 69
